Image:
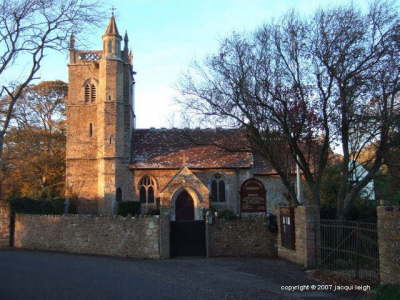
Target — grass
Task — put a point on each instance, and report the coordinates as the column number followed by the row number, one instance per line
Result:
column 386, row 292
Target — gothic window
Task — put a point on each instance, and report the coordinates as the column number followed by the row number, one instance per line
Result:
column 218, row 189
column 147, row 189
column 93, row 93
column 87, row 93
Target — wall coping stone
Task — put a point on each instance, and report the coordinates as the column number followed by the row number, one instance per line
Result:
column 91, row 216
column 389, row 207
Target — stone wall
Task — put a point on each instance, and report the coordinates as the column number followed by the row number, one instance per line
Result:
column 241, row 237
column 165, row 230
column 389, row 243
column 115, row 236
column 4, row 224
column 307, row 239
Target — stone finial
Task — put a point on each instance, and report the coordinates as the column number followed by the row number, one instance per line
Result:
column 126, row 39
column 126, row 42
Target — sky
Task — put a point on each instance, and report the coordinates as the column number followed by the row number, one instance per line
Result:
column 167, row 36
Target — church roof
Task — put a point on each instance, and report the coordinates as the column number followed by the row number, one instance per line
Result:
column 198, row 148
column 112, row 27
column 194, row 148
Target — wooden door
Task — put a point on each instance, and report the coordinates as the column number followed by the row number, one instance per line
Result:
column 184, row 207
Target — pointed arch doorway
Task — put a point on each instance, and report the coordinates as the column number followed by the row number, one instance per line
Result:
column 184, row 207
column 187, row 235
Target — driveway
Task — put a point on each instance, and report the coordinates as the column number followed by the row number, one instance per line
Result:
column 49, row 275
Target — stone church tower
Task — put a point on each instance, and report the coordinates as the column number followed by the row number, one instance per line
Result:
column 100, row 120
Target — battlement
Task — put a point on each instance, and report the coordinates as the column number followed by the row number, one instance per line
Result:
column 89, row 55
column 85, row 56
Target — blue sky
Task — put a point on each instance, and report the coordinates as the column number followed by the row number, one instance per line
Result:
column 166, row 36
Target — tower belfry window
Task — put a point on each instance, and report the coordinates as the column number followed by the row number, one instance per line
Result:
column 90, row 92
column 87, row 93
column 93, row 93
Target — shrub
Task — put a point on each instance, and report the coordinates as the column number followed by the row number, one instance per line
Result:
column 72, row 207
column 359, row 210
column 153, row 212
column 362, row 210
column 31, row 206
column 58, row 205
column 328, row 211
column 227, row 214
column 128, row 208
column 386, row 292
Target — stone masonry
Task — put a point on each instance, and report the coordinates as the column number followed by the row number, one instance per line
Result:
column 115, row 236
column 241, row 237
column 389, row 243
column 100, row 120
column 307, row 243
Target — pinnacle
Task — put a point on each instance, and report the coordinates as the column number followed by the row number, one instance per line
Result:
column 112, row 27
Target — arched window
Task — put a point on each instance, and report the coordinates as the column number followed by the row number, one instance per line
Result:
column 93, row 93
column 90, row 129
column 89, row 90
column 147, row 190
column 87, row 93
column 218, row 189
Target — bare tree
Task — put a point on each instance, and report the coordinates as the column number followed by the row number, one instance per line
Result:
column 302, row 86
column 30, row 29
column 360, row 55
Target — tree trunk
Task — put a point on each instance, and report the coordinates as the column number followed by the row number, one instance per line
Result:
column 1, row 165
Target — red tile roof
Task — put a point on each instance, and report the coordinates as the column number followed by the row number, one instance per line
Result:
column 197, row 148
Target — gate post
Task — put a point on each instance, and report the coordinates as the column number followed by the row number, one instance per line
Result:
column 307, row 237
column 312, row 236
column 5, row 224
column 165, row 230
column 389, row 243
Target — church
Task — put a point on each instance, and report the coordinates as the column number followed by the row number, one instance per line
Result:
column 182, row 171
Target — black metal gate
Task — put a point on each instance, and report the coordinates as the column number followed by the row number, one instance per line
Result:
column 350, row 249
column 188, row 238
